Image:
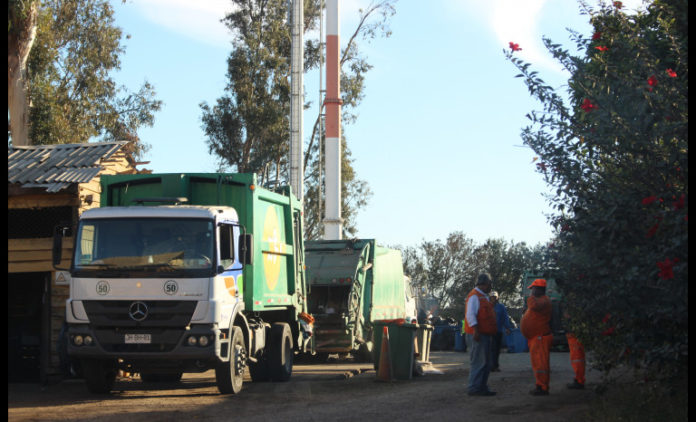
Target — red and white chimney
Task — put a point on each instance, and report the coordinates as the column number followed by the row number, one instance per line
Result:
column 333, row 223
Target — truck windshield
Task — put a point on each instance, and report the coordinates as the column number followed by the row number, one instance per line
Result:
column 145, row 247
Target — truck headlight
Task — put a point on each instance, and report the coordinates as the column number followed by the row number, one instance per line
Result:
column 203, row 341
column 192, row 341
column 77, row 340
column 88, row 340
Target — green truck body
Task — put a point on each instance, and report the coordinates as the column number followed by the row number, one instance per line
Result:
column 273, row 219
column 352, row 284
column 228, row 293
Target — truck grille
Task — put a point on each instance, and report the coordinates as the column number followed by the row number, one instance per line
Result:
column 160, row 313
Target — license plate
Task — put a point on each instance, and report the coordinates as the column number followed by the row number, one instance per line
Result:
column 138, row 338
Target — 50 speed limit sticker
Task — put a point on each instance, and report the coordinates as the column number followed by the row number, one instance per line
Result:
column 103, row 288
column 170, row 287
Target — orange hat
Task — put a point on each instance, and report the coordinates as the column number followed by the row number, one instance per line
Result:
column 539, row 282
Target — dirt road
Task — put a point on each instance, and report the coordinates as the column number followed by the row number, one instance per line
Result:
column 341, row 391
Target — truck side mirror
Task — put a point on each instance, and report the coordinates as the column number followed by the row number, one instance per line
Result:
column 246, row 248
column 58, row 233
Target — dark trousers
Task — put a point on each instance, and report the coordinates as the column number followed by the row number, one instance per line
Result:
column 496, row 342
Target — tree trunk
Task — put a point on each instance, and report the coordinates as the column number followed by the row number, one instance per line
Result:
column 19, row 45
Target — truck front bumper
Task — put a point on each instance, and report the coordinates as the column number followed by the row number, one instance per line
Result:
column 132, row 343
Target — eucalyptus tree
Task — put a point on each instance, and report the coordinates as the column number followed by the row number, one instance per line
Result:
column 247, row 127
column 71, row 96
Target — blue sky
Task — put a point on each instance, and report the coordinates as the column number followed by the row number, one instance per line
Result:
column 437, row 134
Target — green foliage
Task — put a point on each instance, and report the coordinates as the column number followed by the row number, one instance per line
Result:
column 616, row 153
column 448, row 270
column 355, row 194
column 248, row 127
column 73, row 98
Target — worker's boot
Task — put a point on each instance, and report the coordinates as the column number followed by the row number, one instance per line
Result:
column 538, row 391
column 575, row 385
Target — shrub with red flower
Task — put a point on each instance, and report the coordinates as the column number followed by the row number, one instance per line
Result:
column 514, row 46
column 649, row 199
column 666, row 272
column 597, row 35
column 609, row 331
column 671, row 73
column 618, row 4
column 602, row 48
column 679, row 204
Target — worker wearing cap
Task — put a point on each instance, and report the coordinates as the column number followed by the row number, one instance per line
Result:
column 536, row 329
column 480, row 327
column 503, row 324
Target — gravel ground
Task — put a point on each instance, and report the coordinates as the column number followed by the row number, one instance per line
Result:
column 336, row 391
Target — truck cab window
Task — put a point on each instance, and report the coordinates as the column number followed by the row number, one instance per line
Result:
column 227, row 245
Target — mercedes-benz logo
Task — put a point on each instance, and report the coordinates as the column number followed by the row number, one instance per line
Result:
column 137, row 311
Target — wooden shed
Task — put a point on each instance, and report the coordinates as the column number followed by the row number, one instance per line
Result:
column 48, row 185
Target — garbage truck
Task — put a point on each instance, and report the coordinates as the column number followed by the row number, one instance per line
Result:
column 177, row 273
column 554, row 293
column 354, row 283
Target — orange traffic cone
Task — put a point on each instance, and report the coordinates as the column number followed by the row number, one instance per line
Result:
column 384, row 369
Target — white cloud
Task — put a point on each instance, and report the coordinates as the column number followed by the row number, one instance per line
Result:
column 199, row 20
column 526, row 21
column 518, row 21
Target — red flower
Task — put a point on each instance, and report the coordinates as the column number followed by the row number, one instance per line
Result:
column 606, row 318
column 679, row 204
column 618, row 4
column 515, row 46
column 596, row 35
column 652, row 81
column 587, row 105
column 649, row 200
column 665, row 266
column 609, row 331
column 652, row 230
column 602, row 48
column 671, row 73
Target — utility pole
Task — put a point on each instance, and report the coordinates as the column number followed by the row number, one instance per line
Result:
column 296, row 98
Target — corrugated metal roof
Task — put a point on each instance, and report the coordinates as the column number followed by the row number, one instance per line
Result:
column 56, row 167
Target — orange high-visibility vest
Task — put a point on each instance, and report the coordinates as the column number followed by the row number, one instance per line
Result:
column 485, row 317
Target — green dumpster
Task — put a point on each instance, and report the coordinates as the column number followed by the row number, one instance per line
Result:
column 401, row 342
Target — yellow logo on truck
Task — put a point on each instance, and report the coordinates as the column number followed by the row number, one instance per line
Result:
column 271, row 261
column 232, row 285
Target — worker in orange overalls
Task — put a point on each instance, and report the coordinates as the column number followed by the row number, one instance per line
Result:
column 536, row 329
column 577, row 361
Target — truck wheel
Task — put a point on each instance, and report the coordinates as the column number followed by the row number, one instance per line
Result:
column 230, row 375
column 99, row 375
column 281, row 353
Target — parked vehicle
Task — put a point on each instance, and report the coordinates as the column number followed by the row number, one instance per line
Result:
column 354, row 283
column 180, row 273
